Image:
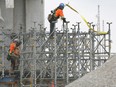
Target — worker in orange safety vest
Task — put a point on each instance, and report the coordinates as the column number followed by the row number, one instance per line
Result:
column 14, row 53
column 56, row 14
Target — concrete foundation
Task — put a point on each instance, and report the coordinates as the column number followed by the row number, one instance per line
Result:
column 25, row 13
column 7, row 14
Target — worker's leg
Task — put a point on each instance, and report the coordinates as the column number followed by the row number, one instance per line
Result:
column 17, row 62
column 12, row 63
column 52, row 25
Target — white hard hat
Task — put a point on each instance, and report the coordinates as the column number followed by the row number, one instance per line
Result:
column 16, row 40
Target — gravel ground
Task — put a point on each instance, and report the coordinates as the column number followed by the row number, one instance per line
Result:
column 103, row 76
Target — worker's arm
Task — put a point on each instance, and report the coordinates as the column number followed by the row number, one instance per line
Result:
column 64, row 19
column 59, row 13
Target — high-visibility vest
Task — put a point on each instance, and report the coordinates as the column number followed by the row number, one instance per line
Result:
column 14, row 49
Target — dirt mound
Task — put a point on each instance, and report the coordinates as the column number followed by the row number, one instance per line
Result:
column 103, row 76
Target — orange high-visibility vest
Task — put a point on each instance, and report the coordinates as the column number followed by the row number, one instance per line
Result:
column 59, row 13
column 12, row 47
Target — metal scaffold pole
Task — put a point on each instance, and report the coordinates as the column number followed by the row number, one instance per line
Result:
column 34, row 61
column 55, row 57
column 109, row 32
column 78, row 43
column 67, row 52
column 3, row 55
column 92, row 49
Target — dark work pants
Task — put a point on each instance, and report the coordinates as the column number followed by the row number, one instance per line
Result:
column 52, row 26
column 13, row 61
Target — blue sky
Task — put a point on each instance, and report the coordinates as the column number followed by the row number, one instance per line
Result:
column 89, row 9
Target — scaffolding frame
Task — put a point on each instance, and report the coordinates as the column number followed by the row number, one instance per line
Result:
column 67, row 57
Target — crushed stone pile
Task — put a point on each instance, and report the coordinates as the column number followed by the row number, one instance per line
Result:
column 103, row 76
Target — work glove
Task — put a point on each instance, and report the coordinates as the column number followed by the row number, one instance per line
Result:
column 10, row 54
column 52, row 11
column 64, row 20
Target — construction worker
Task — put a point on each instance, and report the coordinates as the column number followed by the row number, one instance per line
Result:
column 56, row 14
column 14, row 53
column 51, row 84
